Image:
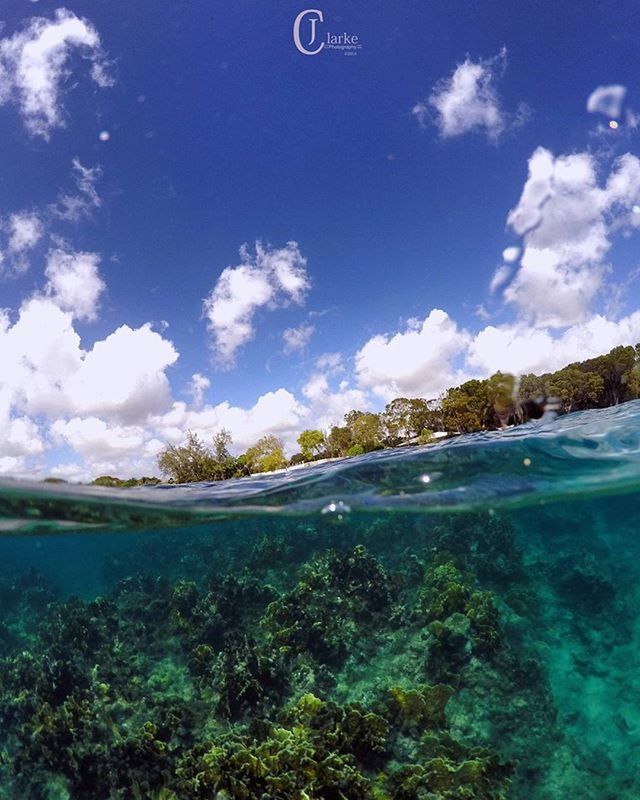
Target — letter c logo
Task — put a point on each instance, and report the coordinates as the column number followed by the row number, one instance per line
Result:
column 296, row 31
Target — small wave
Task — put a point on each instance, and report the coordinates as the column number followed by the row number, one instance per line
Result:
column 583, row 454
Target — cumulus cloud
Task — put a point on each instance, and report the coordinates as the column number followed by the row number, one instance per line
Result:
column 74, row 283
column 110, row 404
column 16, row 467
column 297, row 338
column 19, row 435
column 46, row 372
column 91, row 437
column 103, row 449
column 519, row 349
column 277, row 412
column 469, row 101
column 270, row 278
column 329, row 405
column 413, row 363
column 33, row 67
column 96, row 402
column 566, row 220
column 123, row 376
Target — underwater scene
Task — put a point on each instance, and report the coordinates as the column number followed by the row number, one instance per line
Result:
column 435, row 623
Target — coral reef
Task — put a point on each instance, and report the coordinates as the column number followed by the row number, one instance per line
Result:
column 312, row 662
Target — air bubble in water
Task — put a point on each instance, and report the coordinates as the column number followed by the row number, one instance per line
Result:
column 338, row 508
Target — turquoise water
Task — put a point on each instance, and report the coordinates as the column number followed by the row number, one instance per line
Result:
column 456, row 621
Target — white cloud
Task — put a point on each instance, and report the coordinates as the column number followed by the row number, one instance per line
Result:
column 468, row 101
column 98, row 402
column 23, row 230
column 607, row 100
column 38, row 352
column 277, row 412
column 91, row 437
column 519, row 349
column 415, row 363
column 104, row 449
column 123, row 376
column 73, row 207
column 330, row 362
column 297, row 338
column 15, row 467
column 566, row 220
column 197, row 387
column 74, row 283
column 510, row 254
column 19, row 435
column 500, row 277
column 72, row 472
column 33, row 67
column 111, row 405
column 46, row 372
column 269, row 279
column 328, row 406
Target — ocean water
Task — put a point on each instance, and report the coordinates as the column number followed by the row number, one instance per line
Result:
column 446, row 622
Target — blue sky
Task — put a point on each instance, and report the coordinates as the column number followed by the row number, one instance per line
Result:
column 143, row 144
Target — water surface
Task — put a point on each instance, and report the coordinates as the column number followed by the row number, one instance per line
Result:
column 453, row 621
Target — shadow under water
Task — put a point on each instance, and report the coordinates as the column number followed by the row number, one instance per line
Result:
column 397, row 651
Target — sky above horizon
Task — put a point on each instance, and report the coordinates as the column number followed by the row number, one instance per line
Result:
column 205, row 223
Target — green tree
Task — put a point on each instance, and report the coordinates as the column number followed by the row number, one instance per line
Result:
column 340, row 439
column 576, row 389
column 193, row 461
column 120, row 483
column 366, row 429
column 466, row 408
column 632, row 378
column 267, row 454
column 405, row 418
column 612, row 368
column 221, row 442
column 533, row 387
column 311, row 442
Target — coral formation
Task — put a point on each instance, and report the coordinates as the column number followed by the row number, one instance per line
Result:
column 310, row 663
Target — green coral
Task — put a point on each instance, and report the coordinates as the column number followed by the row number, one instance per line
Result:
column 320, row 750
column 222, row 686
column 481, row 776
column 463, row 621
column 247, row 677
column 422, row 708
column 311, row 753
column 335, row 596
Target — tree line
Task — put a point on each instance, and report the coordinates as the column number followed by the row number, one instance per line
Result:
column 476, row 405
